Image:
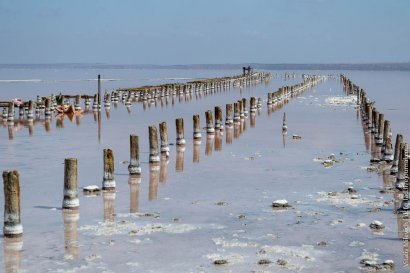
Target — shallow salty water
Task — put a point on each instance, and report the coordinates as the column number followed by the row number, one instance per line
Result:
column 188, row 214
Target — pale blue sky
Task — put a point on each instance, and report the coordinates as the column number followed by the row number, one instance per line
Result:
column 204, row 31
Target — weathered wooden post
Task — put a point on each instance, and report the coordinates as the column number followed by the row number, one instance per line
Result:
column 241, row 112
column 197, row 128
column 10, row 116
column 163, row 133
column 70, row 201
column 179, row 122
column 77, row 105
column 209, row 122
column 229, row 115
column 218, row 118
column 108, row 179
column 236, row 115
column 380, row 130
column 245, row 107
column 30, row 110
column 134, row 181
column 153, row 144
column 134, row 166
column 253, row 104
column 388, row 146
column 401, row 177
column 394, row 168
column 284, row 125
column 259, row 105
column 99, row 91
column 12, row 222
column 95, row 103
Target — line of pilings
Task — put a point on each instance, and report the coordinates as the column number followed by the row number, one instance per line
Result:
column 235, row 115
column 391, row 161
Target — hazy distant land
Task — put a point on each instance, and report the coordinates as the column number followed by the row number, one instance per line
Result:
column 404, row 66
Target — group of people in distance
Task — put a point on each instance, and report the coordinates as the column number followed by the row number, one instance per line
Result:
column 63, row 109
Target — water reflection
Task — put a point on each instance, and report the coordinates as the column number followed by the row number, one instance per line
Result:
column 70, row 218
column 107, row 112
column 228, row 139
column 12, row 248
column 209, row 144
column 10, row 127
column 252, row 121
column 134, row 181
column 163, row 171
column 153, row 181
column 30, row 127
column 218, row 140
column 236, row 130
column 179, row 164
column 196, row 151
column 47, row 125
column 284, row 139
column 109, row 205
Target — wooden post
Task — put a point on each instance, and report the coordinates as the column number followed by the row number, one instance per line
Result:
column 95, row 103
column 387, row 147
column 218, row 118
column 394, row 168
column 163, row 133
column 253, row 104
column 209, row 122
column 197, row 127
column 153, row 144
column 245, row 107
column 70, row 200
column 284, row 126
column 99, row 90
column 30, row 110
column 236, row 115
column 179, row 122
column 108, row 179
column 401, row 177
column 380, row 130
column 229, row 115
column 240, row 106
column 134, row 166
column 10, row 117
column 12, row 222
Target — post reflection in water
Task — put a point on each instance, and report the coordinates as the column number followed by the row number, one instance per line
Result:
column 129, row 109
column 109, row 205
column 236, row 130
column 163, row 171
column 47, row 125
column 252, row 120
column 95, row 114
column 10, row 127
column 209, row 144
column 196, row 151
column 107, row 112
column 284, row 140
column 30, row 127
column 153, row 181
column 12, row 248
column 179, row 164
column 60, row 122
column 243, row 124
column 71, row 218
column 228, row 139
column 134, row 181
column 218, row 141
column 78, row 120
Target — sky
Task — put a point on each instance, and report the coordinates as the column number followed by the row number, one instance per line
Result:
column 166, row 32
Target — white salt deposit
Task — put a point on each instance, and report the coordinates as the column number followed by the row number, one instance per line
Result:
column 341, row 100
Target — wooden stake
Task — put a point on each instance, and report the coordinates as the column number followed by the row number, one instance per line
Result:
column 134, row 166
column 70, row 200
column 197, row 127
column 108, row 179
column 163, row 132
column 179, row 122
column 12, row 222
column 153, row 144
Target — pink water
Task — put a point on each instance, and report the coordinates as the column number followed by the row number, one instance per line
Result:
column 219, row 207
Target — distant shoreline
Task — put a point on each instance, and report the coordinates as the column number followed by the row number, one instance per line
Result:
column 403, row 66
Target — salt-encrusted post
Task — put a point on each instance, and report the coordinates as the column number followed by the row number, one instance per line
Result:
column 70, row 201
column 244, row 107
column 153, row 144
column 108, row 179
column 209, row 122
column 10, row 116
column 284, row 125
column 99, row 90
column 163, row 133
column 229, row 115
column 134, row 166
column 12, row 222
column 179, row 122
column 236, row 115
column 77, row 105
column 253, row 104
column 30, row 110
column 388, row 146
column 197, row 127
column 394, row 168
column 218, row 118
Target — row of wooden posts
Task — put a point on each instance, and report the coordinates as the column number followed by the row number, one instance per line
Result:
column 378, row 134
column 234, row 114
column 145, row 93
